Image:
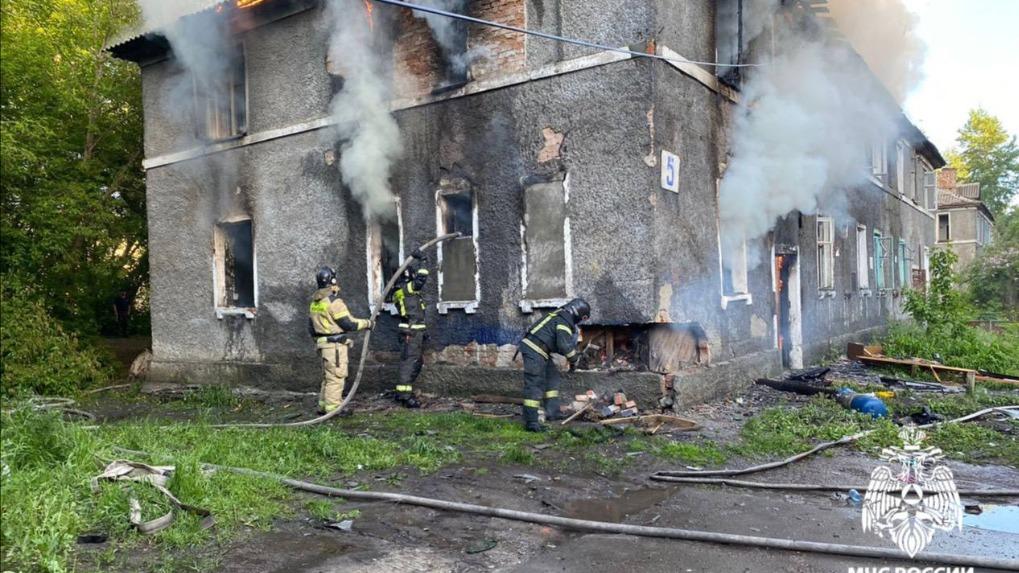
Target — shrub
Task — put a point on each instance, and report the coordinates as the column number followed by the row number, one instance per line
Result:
column 38, row 355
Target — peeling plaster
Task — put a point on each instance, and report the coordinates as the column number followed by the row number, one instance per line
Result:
column 553, row 145
column 664, row 303
column 651, row 159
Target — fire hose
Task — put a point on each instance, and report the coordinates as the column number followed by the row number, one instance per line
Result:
column 364, row 353
column 625, row 528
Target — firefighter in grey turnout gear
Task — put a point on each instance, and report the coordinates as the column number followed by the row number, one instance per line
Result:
column 410, row 304
column 556, row 333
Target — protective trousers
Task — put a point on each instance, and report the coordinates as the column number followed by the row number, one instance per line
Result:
column 334, row 374
column 541, row 386
column 410, row 361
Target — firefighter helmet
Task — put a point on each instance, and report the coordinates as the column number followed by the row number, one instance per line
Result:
column 578, row 309
column 326, row 277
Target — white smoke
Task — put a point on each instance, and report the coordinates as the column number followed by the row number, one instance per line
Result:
column 202, row 46
column 369, row 135
column 801, row 133
column 884, row 33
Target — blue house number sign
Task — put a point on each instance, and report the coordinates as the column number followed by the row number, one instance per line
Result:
column 670, row 171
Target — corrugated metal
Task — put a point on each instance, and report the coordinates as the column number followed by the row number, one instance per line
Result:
column 969, row 190
column 168, row 12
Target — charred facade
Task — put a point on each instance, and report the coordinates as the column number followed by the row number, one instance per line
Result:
column 548, row 159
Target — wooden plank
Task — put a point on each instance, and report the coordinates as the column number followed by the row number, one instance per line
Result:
column 883, row 360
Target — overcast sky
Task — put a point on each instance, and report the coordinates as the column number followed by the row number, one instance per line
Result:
column 972, row 60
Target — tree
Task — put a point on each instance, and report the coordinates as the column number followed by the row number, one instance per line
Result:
column 989, row 156
column 73, row 197
column 993, row 278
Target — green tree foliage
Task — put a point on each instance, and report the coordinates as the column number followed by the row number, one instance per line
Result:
column 993, row 278
column 37, row 355
column 987, row 155
column 942, row 331
column 73, row 196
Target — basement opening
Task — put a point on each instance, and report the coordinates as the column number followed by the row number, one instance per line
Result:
column 654, row 347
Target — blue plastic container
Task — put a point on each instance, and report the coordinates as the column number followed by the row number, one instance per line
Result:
column 866, row 403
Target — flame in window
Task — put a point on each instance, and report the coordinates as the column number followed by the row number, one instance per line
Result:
column 368, row 11
column 248, row 3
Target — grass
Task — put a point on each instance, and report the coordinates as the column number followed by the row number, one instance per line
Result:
column 43, row 453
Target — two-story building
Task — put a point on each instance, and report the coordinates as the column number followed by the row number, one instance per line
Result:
column 965, row 223
column 569, row 171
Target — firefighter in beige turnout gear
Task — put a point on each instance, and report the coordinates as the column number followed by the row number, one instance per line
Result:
column 329, row 323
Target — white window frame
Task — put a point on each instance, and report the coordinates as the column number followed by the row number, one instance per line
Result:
column 740, row 275
column 468, row 306
column 373, row 260
column 527, row 305
column 930, row 186
column 862, row 260
column 937, row 228
column 901, row 154
column 219, row 271
column 825, row 266
column 879, row 162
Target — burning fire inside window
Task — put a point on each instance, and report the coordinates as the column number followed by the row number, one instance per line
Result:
column 247, row 3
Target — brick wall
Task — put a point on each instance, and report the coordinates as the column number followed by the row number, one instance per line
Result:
column 946, row 178
column 494, row 52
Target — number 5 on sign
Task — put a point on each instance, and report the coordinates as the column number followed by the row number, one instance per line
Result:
column 670, row 171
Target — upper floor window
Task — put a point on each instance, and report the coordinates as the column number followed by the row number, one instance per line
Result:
column 221, row 102
column 825, row 253
column 903, row 168
column 730, row 41
column 879, row 161
column 944, row 228
column 983, row 230
column 930, row 191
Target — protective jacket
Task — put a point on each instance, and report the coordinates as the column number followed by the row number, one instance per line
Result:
column 554, row 334
column 411, row 304
column 329, row 318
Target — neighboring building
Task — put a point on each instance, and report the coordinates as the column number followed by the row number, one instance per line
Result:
column 570, row 173
column 964, row 223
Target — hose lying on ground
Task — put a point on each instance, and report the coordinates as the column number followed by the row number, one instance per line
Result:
column 364, row 353
column 627, row 529
column 823, row 446
column 814, row 487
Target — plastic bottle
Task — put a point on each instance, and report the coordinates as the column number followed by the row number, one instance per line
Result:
column 854, row 498
column 866, row 403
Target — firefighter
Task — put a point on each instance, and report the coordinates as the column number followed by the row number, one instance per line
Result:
column 556, row 333
column 413, row 331
column 330, row 323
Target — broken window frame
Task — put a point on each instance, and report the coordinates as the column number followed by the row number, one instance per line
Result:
column 236, row 104
column 220, row 301
column 737, row 288
column 527, row 304
column 825, row 236
column 468, row 306
column 373, row 259
column 879, row 163
column 948, row 228
column 862, row 260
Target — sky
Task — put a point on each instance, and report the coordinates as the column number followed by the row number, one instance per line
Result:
column 971, row 61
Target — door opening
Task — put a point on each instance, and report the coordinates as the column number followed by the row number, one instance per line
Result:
column 787, row 302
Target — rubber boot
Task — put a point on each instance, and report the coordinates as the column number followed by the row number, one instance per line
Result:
column 552, row 411
column 531, row 421
column 411, row 401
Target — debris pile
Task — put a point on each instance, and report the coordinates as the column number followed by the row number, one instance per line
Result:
column 608, row 405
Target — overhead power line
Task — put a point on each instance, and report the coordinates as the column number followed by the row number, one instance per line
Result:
column 552, row 37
